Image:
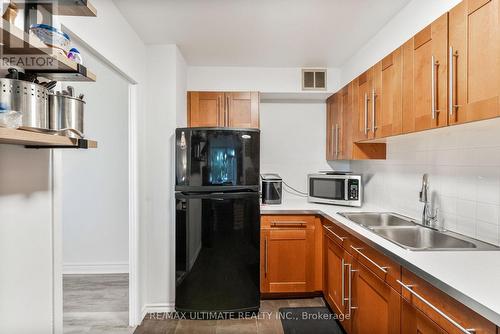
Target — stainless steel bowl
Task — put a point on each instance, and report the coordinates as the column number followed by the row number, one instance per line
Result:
column 28, row 98
column 66, row 113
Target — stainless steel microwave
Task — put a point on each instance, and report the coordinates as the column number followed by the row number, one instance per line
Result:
column 335, row 189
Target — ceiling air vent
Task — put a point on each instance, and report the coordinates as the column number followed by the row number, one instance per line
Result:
column 313, row 79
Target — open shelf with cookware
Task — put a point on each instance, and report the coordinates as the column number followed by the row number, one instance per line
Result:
column 31, row 112
column 14, row 41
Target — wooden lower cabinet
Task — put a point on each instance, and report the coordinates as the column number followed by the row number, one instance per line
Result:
column 305, row 254
column 288, row 254
column 376, row 307
column 413, row 321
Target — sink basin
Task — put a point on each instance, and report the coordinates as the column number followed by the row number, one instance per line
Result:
column 411, row 235
column 378, row 219
column 422, row 238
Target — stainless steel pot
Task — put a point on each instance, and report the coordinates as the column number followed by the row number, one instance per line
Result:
column 28, row 98
column 66, row 113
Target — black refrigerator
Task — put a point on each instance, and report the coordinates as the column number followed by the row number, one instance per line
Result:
column 217, row 220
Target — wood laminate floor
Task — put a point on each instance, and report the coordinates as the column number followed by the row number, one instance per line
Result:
column 96, row 304
column 266, row 323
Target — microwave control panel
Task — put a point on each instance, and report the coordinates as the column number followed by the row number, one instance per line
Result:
column 353, row 189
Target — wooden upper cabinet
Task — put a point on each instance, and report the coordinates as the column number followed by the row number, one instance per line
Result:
column 242, row 109
column 205, row 109
column 219, row 109
column 342, row 128
column 425, row 78
column 474, row 51
column 334, row 127
column 363, row 107
column 388, row 85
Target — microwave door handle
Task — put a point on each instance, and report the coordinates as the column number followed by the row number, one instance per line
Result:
column 346, row 189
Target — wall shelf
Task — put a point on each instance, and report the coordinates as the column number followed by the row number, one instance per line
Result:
column 66, row 7
column 15, row 42
column 42, row 140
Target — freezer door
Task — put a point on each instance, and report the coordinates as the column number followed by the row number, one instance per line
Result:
column 217, row 252
column 216, row 159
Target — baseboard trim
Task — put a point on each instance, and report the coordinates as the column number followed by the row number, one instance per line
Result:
column 157, row 308
column 96, row 268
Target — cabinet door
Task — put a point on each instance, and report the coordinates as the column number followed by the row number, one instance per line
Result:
column 242, row 110
column 375, row 305
column 345, row 127
column 334, row 124
column 425, row 78
column 335, row 268
column 331, row 105
column 289, row 259
column 363, row 94
column 205, row 109
column 388, row 95
column 413, row 321
column 474, row 50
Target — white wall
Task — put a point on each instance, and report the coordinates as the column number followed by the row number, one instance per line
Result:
column 96, row 184
column 30, row 228
column 110, row 35
column 463, row 163
column 26, row 234
column 262, row 79
column 165, row 101
column 293, row 141
column 413, row 18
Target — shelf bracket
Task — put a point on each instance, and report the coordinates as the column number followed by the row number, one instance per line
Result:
column 80, row 144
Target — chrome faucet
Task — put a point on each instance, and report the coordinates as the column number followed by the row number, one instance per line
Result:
column 429, row 218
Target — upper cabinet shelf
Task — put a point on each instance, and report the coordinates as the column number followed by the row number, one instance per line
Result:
column 66, row 7
column 49, row 64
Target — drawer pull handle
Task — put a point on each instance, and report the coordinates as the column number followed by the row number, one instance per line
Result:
column 358, row 250
column 284, row 223
column 265, row 257
column 335, row 234
column 441, row 313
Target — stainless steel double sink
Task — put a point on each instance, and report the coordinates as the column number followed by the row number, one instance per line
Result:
column 411, row 235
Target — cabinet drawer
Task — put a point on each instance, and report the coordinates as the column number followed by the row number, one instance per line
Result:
column 444, row 310
column 378, row 263
column 287, row 221
column 335, row 233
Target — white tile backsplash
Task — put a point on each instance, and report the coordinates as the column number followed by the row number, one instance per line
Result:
column 463, row 163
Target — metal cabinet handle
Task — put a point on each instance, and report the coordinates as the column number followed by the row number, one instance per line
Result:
column 335, row 234
column 374, row 95
column 450, row 93
column 265, row 257
column 349, row 298
column 343, row 281
column 366, row 114
column 226, row 123
column 219, row 107
column 441, row 313
column 288, row 223
column 358, row 250
column 333, row 138
column 336, row 141
column 451, row 101
column 434, row 109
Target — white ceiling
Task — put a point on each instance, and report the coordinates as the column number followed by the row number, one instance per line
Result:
column 269, row 33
